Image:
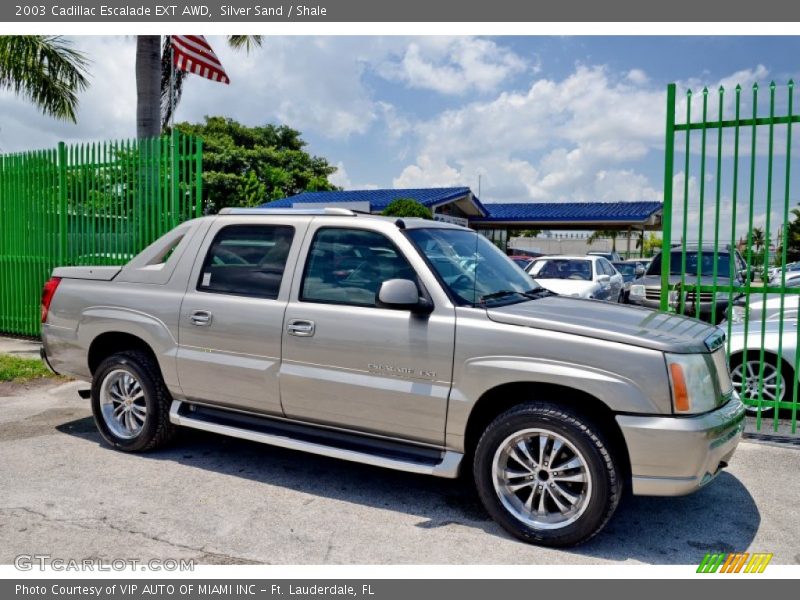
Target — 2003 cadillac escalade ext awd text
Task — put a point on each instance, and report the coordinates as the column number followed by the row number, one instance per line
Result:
column 402, row 343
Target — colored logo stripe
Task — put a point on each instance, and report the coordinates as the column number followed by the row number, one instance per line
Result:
column 734, row 562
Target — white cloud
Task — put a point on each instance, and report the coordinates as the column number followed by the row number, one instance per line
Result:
column 558, row 140
column 311, row 84
column 637, row 76
column 454, row 65
column 340, row 177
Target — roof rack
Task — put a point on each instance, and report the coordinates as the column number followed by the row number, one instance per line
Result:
column 328, row 210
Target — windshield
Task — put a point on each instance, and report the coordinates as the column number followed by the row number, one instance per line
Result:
column 626, row 268
column 562, row 268
column 692, row 257
column 475, row 271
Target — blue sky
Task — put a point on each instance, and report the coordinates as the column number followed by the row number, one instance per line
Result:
column 538, row 118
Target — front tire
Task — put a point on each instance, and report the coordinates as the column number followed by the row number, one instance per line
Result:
column 546, row 475
column 131, row 403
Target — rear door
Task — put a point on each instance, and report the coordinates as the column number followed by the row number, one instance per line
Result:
column 231, row 317
column 347, row 362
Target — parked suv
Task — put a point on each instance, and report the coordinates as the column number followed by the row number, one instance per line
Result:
column 402, row 343
column 646, row 291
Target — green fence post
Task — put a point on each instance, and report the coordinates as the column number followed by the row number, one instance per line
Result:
column 667, row 210
column 199, row 177
column 62, row 202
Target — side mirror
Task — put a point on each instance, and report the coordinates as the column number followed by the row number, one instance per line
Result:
column 603, row 278
column 639, row 270
column 402, row 294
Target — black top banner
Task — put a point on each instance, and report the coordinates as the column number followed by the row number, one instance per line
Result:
column 463, row 11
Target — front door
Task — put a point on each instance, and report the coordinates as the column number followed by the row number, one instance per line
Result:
column 232, row 315
column 351, row 364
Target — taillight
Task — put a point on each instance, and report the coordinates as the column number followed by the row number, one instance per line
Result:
column 47, row 295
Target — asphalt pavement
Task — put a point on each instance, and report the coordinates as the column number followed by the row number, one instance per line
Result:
column 224, row 501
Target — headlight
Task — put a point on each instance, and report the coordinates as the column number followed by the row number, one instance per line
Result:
column 692, row 383
column 637, row 289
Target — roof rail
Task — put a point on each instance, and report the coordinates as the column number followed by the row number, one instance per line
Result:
column 328, row 210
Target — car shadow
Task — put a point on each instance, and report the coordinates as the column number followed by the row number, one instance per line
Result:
column 722, row 517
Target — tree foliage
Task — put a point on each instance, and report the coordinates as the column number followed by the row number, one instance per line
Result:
column 247, row 166
column 407, row 207
column 792, row 237
column 649, row 244
column 604, row 234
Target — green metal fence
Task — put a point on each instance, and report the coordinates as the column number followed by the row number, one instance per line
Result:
column 87, row 204
column 729, row 155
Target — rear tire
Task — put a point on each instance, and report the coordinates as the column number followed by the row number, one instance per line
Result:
column 546, row 475
column 131, row 403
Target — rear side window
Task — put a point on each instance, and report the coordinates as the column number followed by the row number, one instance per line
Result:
column 346, row 266
column 247, row 260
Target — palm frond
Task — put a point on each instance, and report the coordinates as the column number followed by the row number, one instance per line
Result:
column 47, row 70
column 248, row 42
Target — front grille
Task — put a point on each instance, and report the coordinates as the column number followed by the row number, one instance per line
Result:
column 704, row 297
column 652, row 293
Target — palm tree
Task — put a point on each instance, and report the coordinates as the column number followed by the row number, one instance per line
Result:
column 153, row 102
column 609, row 233
column 757, row 237
column 46, row 70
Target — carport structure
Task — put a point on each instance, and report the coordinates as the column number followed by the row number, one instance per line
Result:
column 495, row 220
column 588, row 216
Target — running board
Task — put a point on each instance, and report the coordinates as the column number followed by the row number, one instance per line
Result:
column 378, row 452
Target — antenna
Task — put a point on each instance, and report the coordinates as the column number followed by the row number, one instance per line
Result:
column 479, row 185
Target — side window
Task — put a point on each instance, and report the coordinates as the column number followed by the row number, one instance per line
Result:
column 247, row 260
column 609, row 268
column 346, row 266
column 598, row 267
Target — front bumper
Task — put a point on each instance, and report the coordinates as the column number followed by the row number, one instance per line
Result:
column 673, row 456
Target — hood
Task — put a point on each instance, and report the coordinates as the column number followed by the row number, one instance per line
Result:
column 608, row 321
column 568, row 287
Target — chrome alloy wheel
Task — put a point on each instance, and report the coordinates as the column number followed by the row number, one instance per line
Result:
column 745, row 378
column 541, row 478
column 123, row 404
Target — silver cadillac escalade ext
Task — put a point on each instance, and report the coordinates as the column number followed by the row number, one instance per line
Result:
column 402, row 343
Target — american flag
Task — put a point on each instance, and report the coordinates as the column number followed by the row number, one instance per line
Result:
column 193, row 54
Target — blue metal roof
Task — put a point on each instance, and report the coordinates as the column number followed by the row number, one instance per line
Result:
column 541, row 212
column 583, row 212
column 379, row 199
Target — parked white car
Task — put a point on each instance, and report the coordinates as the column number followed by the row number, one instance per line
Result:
column 578, row 276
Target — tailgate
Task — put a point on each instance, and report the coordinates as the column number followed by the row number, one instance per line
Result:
column 95, row 273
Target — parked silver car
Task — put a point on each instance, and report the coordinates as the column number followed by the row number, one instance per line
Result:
column 579, row 276
column 402, row 343
column 774, row 379
column 771, row 309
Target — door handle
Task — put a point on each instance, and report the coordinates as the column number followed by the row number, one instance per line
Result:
column 300, row 328
column 201, row 318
